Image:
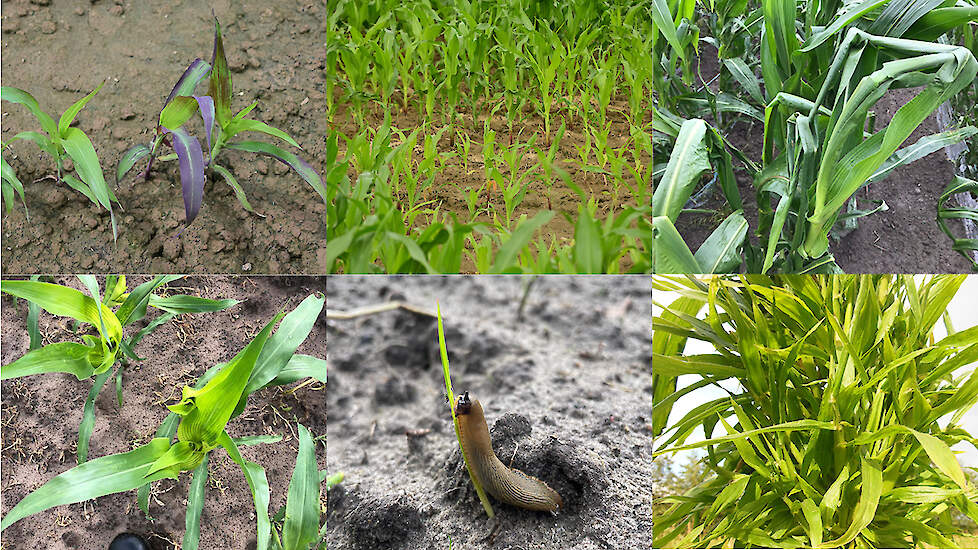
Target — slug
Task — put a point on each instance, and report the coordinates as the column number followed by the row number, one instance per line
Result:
column 507, row 485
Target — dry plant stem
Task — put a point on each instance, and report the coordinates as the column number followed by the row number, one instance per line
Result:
column 377, row 308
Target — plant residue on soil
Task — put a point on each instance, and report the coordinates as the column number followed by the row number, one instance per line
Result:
column 567, row 397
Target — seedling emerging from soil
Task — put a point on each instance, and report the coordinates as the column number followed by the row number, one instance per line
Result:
column 98, row 354
column 59, row 140
column 199, row 422
column 213, row 107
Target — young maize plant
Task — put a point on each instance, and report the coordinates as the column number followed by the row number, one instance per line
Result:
column 837, row 436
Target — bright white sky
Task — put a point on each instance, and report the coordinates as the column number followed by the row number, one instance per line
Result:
column 963, row 311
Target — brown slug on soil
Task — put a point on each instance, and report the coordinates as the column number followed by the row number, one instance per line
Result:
column 508, row 485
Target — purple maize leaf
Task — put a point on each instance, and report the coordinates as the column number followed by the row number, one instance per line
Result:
column 188, row 82
column 220, row 83
column 206, row 104
column 129, row 160
column 191, row 159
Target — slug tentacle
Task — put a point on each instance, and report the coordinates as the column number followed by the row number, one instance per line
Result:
column 507, row 485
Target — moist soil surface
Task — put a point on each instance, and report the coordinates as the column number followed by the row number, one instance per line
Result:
column 41, row 415
column 566, row 393
column 903, row 239
column 61, row 51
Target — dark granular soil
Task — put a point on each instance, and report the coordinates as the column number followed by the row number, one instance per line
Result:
column 566, row 392
column 40, row 417
column 61, row 51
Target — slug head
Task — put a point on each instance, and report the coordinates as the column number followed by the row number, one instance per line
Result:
column 463, row 405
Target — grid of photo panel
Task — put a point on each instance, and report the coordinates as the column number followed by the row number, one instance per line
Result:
column 567, row 274
column 200, row 199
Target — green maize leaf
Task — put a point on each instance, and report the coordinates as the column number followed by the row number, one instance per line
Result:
column 671, row 254
column 178, row 111
column 517, row 241
column 814, row 519
column 719, row 253
column 181, row 303
column 588, row 255
column 10, row 178
column 280, row 348
column 664, row 24
column 16, row 95
column 925, row 533
column 207, row 410
column 67, row 357
column 300, row 166
column 862, row 516
column 237, row 126
column 238, row 191
column 80, row 149
column 80, row 186
column 687, row 163
column 921, row 494
column 42, row 141
column 256, row 439
column 69, row 116
column 244, row 112
column 134, row 307
column 129, row 159
column 195, row 505
column 258, row 483
column 180, row 457
column 66, row 302
column 96, row 478
column 785, row 427
column 302, row 505
column 299, row 367
column 717, row 365
column 87, row 425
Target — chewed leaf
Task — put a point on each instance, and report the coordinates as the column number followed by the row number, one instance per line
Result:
column 129, row 159
column 300, row 166
column 191, row 170
column 188, row 82
column 220, row 84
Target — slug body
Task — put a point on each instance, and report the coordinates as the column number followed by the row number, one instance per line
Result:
column 506, row 484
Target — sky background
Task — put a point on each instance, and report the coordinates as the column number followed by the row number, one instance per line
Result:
column 963, row 311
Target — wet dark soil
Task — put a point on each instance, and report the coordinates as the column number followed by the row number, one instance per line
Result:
column 61, row 51
column 566, row 392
